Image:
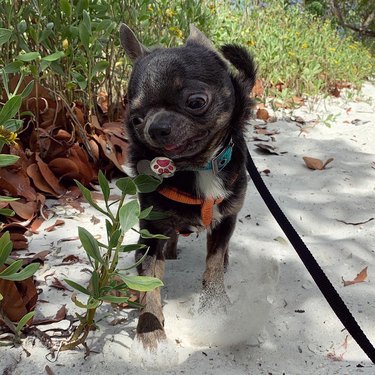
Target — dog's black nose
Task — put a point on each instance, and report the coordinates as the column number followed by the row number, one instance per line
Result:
column 159, row 129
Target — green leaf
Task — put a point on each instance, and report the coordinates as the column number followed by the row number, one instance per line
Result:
column 146, row 184
column 27, row 90
column 11, row 269
column 22, row 26
column 146, row 234
column 77, row 286
column 6, row 212
column 13, row 125
column 65, row 7
column 114, row 299
column 24, row 320
column 144, row 214
column 141, row 283
column 87, row 21
column 13, row 67
column 10, row 108
column 95, row 283
column 157, row 215
column 132, row 247
column 80, row 79
column 126, row 185
column 90, row 244
column 115, row 238
column 104, row 186
column 5, row 35
column 6, row 159
column 99, row 67
column 92, row 302
column 54, row 56
column 87, row 195
column 128, row 215
column 7, row 199
column 24, row 274
column 6, row 247
column 29, row 56
column 84, row 36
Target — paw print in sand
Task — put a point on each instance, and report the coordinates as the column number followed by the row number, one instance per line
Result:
column 163, row 166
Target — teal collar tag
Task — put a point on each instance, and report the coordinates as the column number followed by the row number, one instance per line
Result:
column 219, row 162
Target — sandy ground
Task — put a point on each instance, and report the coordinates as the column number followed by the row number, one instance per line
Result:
column 278, row 322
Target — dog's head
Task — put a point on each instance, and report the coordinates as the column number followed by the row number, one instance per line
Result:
column 185, row 102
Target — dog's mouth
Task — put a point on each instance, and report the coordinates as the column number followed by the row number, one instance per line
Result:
column 181, row 149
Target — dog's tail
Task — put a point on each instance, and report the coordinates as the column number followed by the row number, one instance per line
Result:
column 242, row 61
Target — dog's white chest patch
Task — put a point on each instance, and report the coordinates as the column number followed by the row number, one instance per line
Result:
column 209, row 185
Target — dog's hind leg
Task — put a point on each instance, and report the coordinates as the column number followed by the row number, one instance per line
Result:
column 170, row 248
column 213, row 293
column 150, row 328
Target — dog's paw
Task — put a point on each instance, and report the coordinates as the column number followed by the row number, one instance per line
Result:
column 153, row 350
column 213, row 299
column 151, row 340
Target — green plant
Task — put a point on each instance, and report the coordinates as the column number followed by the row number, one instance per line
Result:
column 106, row 277
column 12, row 271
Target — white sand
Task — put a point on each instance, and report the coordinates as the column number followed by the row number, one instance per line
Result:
column 262, row 332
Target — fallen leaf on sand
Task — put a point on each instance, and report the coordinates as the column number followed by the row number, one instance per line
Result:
column 269, row 149
column 56, row 283
column 356, row 223
column 60, row 315
column 71, row 259
column 316, row 164
column 58, row 223
column 360, row 278
column 94, row 220
column 262, row 114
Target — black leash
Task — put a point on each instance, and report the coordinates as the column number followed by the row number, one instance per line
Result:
column 320, row 278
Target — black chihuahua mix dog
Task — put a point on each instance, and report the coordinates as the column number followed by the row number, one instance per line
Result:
column 186, row 117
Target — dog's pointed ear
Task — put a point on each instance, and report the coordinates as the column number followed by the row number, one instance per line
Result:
column 133, row 48
column 197, row 37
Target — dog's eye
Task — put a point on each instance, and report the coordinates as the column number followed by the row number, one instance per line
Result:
column 136, row 120
column 197, row 101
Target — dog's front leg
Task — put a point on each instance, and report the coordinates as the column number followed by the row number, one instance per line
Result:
column 213, row 294
column 150, row 328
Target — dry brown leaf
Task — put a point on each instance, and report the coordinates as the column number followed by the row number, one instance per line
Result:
column 64, row 168
column 70, row 259
column 360, row 278
column 58, row 223
column 19, row 297
column 49, row 177
column 36, row 225
column 25, row 210
column 60, row 315
column 16, row 183
column 258, row 89
column 268, row 148
column 316, row 164
column 56, row 283
column 40, row 183
column 262, row 114
column 94, row 220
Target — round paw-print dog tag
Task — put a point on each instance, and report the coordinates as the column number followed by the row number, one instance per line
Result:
column 163, row 166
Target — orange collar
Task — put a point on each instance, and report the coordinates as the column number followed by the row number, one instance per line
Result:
column 207, row 205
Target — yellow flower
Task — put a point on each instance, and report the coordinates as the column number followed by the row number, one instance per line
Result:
column 65, row 44
column 150, row 8
column 332, row 49
column 251, row 43
column 352, row 46
column 7, row 136
column 304, row 45
column 176, row 31
column 170, row 13
column 291, row 53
